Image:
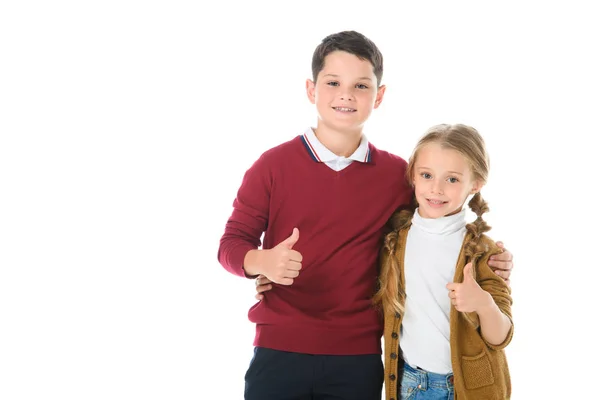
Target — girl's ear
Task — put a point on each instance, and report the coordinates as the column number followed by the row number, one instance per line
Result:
column 476, row 187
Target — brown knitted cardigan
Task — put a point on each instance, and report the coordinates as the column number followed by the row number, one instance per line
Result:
column 480, row 368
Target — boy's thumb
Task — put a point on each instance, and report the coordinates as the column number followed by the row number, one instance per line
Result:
column 291, row 241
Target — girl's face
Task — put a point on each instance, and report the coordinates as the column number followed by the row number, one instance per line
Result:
column 443, row 180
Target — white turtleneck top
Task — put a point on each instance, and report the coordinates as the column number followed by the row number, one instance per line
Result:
column 432, row 249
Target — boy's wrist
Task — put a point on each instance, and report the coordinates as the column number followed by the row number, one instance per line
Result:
column 251, row 266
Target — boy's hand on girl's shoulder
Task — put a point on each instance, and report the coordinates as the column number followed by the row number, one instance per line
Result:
column 281, row 264
column 263, row 284
column 502, row 263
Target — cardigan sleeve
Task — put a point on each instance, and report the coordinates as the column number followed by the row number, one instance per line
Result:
column 501, row 293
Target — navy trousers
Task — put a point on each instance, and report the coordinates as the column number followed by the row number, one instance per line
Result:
column 281, row 375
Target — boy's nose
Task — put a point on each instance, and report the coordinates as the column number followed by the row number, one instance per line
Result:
column 346, row 95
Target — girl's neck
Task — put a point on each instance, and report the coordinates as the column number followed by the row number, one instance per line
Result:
column 447, row 215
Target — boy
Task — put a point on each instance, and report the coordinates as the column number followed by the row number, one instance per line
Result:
column 322, row 200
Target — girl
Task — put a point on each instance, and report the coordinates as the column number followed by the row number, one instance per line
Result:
column 451, row 335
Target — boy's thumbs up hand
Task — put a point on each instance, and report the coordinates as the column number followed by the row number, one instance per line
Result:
column 468, row 296
column 291, row 241
column 282, row 264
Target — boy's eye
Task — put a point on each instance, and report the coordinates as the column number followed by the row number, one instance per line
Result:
column 333, row 83
column 362, row 86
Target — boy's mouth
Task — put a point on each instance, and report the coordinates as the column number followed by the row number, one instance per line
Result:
column 344, row 109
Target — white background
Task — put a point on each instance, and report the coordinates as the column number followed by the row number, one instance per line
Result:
column 126, row 128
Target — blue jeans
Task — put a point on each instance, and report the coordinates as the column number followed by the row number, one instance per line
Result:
column 418, row 384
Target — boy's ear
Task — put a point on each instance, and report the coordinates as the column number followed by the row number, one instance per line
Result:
column 379, row 97
column 310, row 90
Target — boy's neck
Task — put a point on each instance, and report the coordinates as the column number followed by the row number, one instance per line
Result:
column 340, row 143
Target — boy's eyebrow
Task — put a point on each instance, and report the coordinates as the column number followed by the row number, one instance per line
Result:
column 337, row 76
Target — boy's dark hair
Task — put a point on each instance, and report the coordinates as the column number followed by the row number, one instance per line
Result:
column 351, row 42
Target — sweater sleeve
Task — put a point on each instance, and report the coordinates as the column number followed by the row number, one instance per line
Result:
column 501, row 293
column 248, row 219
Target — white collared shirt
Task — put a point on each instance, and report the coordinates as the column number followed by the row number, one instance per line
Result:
column 337, row 163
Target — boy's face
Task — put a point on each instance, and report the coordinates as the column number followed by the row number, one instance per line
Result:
column 443, row 180
column 345, row 93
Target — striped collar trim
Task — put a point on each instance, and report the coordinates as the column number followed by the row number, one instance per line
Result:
column 320, row 153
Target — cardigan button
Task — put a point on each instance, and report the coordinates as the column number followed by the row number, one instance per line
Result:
column 397, row 315
column 394, row 356
column 393, row 377
column 394, row 335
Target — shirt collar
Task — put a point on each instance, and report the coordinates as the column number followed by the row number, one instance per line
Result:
column 320, row 153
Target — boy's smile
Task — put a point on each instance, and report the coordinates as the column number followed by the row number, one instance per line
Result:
column 344, row 109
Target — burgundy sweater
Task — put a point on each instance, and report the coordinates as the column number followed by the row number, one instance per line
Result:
column 340, row 216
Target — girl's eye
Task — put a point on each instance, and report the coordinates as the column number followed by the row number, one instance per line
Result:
column 426, row 175
column 333, row 83
column 452, row 179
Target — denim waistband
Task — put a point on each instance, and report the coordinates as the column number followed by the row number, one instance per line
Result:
column 428, row 379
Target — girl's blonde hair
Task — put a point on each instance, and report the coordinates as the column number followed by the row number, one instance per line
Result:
column 469, row 143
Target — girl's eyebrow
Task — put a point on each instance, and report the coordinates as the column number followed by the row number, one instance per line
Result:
column 450, row 172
